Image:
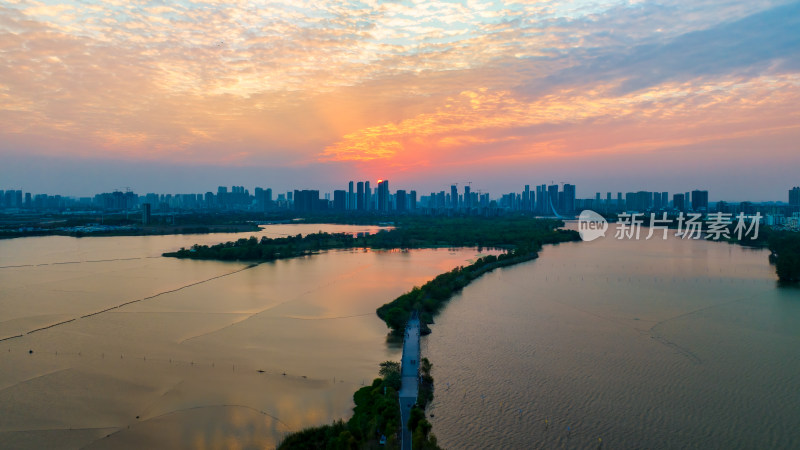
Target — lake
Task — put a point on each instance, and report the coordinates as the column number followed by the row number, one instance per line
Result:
column 605, row 344
column 653, row 344
column 144, row 351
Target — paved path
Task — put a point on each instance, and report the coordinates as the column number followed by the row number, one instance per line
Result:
column 409, row 371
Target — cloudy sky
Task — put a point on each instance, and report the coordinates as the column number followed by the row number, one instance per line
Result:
column 182, row 96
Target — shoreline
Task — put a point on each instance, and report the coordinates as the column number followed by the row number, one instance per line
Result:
column 433, row 299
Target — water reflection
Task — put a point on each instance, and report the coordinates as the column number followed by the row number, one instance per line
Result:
column 206, row 354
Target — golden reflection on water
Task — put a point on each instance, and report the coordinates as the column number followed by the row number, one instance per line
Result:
column 207, row 355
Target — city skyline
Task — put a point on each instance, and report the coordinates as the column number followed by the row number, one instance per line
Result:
column 543, row 199
column 615, row 95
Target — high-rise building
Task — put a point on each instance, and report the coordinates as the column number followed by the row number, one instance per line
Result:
column 700, row 200
column 340, row 199
column 401, row 200
column 642, row 201
column 383, row 195
column 568, row 202
column 306, row 200
column 467, row 197
column 350, row 202
column 360, row 196
column 794, row 196
column 412, row 200
column 454, row 196
column 664, row 200
column 146, row 214
column 552, row 199
column 679, row 202
column 541, row 192
column 527, row 200
column 367, row 196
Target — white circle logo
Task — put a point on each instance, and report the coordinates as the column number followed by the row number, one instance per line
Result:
column 591, row 225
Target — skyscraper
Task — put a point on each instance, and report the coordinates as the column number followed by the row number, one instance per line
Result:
column 306, row 200
column 552, row 199
column 401, row 200
column 340, row 199
column 383, row 195
column 350, row 202
column 542, row 204
column 367, row 196
column 360, row 196
column 527, row 202
column 568, row 199
column 454, row 196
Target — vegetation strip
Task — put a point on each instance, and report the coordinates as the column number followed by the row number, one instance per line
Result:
column 376, row 416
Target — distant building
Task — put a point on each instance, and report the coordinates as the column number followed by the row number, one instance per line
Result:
column 367, row 196
column 340, row 200
column 794, row 196
column 146, row 218
column 568, row 199
column 360, row 196
column 307, row 201
column 700, row 200
column 552, row 199
column 679, row 202
column 350, row 203
column 542, row 204
column 383, row 195
column 401, row 200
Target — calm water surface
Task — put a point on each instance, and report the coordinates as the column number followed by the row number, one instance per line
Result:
column 643, row 344
column 151, row 352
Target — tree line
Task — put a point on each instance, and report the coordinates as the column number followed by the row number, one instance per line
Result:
column 375, row 416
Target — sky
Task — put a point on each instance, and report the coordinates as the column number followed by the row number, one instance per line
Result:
column 184, row 96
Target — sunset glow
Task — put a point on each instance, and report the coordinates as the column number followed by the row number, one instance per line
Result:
column 344, row 90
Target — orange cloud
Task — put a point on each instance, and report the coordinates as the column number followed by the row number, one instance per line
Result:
column 483, row 125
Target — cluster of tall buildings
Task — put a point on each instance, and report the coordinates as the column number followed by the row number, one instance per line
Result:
column 361, row 197
column 645, row 201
